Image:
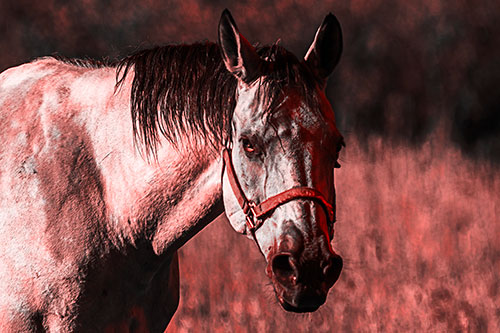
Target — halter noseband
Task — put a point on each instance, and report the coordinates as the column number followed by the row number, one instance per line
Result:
column 257, row 213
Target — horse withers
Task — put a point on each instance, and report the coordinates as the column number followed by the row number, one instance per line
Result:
column 108, row 169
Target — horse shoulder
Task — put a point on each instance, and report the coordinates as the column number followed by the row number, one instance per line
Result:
column 52, row 208
column 48, row 155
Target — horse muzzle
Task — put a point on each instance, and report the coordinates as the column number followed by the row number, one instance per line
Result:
column 302, row 275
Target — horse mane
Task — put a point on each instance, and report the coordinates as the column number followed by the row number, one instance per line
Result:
column 84, row 62
column 184, row 92
column 179, row 92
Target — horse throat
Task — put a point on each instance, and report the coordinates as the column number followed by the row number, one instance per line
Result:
column 191, row 201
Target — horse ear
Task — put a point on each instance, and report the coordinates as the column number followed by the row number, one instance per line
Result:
column 238, row 54
column 324, row 53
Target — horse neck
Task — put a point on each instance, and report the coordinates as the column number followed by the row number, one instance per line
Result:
column 163, row 201
column 193, row 199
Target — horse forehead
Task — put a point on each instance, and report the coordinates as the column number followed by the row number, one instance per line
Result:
column 249, row 109
column 295, row 118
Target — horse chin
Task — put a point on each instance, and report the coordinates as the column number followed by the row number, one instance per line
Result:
column 290, row 308
column 300, row 302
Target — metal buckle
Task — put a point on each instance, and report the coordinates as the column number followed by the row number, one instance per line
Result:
column 252, row 220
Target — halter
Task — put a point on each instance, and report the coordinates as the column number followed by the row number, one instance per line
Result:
column 256, row 214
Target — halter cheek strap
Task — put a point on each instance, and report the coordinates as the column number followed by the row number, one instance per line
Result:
column 257, row 213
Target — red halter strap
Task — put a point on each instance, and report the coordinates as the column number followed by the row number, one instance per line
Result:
column 257, row 213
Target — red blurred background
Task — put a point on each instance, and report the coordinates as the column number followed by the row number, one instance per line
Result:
column 417, row 96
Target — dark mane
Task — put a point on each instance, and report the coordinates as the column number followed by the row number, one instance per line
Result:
column 179, row 91
column 185, row 91
column 86, row 63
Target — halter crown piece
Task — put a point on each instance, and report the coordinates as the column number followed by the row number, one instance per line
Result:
column 257, row 213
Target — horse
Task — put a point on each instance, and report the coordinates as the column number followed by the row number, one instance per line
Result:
column 107, row 169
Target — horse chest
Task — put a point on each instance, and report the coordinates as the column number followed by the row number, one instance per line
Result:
column 121, row 293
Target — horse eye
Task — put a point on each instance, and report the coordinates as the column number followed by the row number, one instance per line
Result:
column 247, row 146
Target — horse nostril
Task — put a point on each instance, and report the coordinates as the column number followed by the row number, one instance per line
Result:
column 332, row 270
column 285, row 269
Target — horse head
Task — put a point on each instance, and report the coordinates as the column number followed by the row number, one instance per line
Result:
column 278, row 183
